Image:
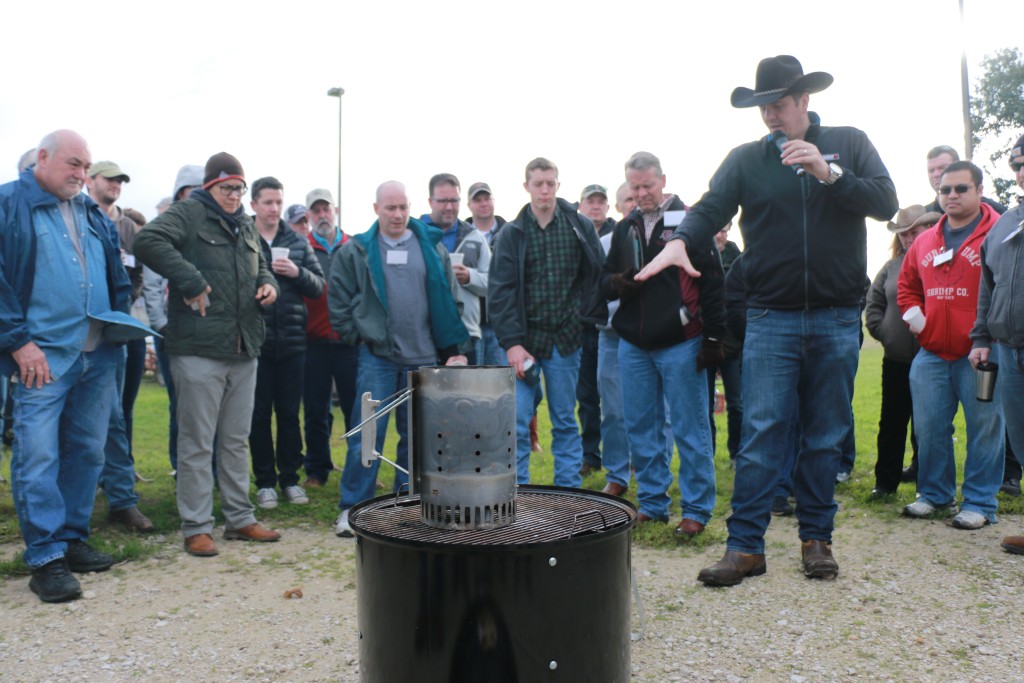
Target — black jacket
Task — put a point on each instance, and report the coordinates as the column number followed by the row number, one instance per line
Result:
column 650, row 319
column 506, row 299
column 285, row 319
column 807, row 241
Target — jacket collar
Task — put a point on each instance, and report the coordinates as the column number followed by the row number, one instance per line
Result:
column 421, row 230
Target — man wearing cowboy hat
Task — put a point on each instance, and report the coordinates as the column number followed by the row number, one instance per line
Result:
column 805, row 190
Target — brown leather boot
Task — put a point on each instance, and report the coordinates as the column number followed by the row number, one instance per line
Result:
column 132, row 519
column 732, row 568
column 200, row 545
column 534, row 439
column 252, row 532
column 1013, row 544
column 818, row 562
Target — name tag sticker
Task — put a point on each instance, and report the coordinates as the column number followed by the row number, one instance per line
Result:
column 1013, row 234
column 674, row 218
column 397, row 257
column 944, row 257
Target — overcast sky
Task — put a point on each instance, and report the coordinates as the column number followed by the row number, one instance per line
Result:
column 475, row 88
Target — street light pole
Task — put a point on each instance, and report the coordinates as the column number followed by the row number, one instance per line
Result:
column 338, row 92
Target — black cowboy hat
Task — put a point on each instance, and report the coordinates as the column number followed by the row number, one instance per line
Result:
column 777, row 77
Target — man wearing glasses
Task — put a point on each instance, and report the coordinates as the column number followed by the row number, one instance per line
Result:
column 209, row 251
column 471, row 257
column 941, row 274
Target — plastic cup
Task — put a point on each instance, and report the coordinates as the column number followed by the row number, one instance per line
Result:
column 279, row 253
column 914, row 318
column 456, row 258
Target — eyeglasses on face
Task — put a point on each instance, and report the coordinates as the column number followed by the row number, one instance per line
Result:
column 228, row 190
column 450, row 202
column 959, row 189
column 1016, row 166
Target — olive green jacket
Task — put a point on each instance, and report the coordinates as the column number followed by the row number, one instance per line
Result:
column 193, row 247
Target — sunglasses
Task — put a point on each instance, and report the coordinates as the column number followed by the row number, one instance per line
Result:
column 1015, row 166
column 959, row 189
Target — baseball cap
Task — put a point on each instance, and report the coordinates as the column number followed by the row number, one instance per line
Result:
column 477, row 188
column 318, row 195
column 109, row 170
column 295, row 213
column 593, row 189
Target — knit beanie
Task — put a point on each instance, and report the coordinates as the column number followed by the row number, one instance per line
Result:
column 220, row 167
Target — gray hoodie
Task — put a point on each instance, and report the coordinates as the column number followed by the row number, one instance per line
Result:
column 1001, row 295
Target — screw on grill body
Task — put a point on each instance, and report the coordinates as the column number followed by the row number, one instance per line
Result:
column 553, row 665
column 552, row 562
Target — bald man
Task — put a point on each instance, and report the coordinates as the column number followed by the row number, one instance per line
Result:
column 413, row 325
column 61, row 273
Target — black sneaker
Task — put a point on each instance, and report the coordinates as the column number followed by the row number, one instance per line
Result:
column 52, row 582
column 81, row 558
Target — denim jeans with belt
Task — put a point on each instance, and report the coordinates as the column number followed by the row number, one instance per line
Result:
column 653, row 381
column 59, row 432
column 938, row 385
column 794, row 362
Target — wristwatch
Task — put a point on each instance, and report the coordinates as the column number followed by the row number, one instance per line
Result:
column 835, row 173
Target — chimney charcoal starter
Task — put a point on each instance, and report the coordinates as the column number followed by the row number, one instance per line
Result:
column 471, row 578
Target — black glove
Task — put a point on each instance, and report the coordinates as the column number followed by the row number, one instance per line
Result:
column 624, row 285
column 710, row 355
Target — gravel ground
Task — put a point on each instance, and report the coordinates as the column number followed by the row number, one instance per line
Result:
column 914, row 601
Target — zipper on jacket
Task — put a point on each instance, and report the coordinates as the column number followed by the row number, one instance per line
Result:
column 807, row 264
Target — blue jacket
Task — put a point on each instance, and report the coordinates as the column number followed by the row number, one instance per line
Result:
column 18, row 259
column 357, row 294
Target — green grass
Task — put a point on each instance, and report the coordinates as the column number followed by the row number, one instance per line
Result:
column 157, row 496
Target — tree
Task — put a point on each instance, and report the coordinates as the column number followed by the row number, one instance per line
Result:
column 997, row 112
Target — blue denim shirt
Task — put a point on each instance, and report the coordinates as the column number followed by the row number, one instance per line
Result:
column 63, row 297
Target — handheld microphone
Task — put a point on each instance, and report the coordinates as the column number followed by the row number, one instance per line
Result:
column 779, row 138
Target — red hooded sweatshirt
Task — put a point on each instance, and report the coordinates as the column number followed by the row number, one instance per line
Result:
column 947, row 293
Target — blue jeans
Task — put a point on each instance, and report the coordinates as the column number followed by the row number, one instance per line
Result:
column 381, row 377
column 794, row 363
column 652, row 380
column 327, row 364
column 731, row 370
column 59, row 431
column 615, row 446
column 937, row 386
column 560, row 374
column 784, row 489
column 1010, row 387
column 488, row 350
column 164, row 361
column 118, row 476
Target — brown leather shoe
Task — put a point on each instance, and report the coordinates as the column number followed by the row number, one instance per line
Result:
column 818, row 562
column 132, row 519
column 534, row 439
column 688, row 528
column 252, row 532
column 200, row 545
column 732, row 568
column 613, row 489
column 1014, row 544
column 312, row 483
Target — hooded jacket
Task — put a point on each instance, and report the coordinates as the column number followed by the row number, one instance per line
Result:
column 357, row 293
column 193, row 246
column 947, row 293
column 1001, row 297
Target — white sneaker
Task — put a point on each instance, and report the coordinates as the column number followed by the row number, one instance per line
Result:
column 842, row 477
column 295, row 495
column 266, row 498
column 922, row 508
column 969, row 519
column 341, row 527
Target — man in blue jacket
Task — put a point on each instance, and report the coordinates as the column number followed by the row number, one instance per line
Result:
column 805, row 191
column 60, row 279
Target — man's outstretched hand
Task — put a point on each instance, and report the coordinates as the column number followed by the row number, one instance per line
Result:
column 674, row 254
